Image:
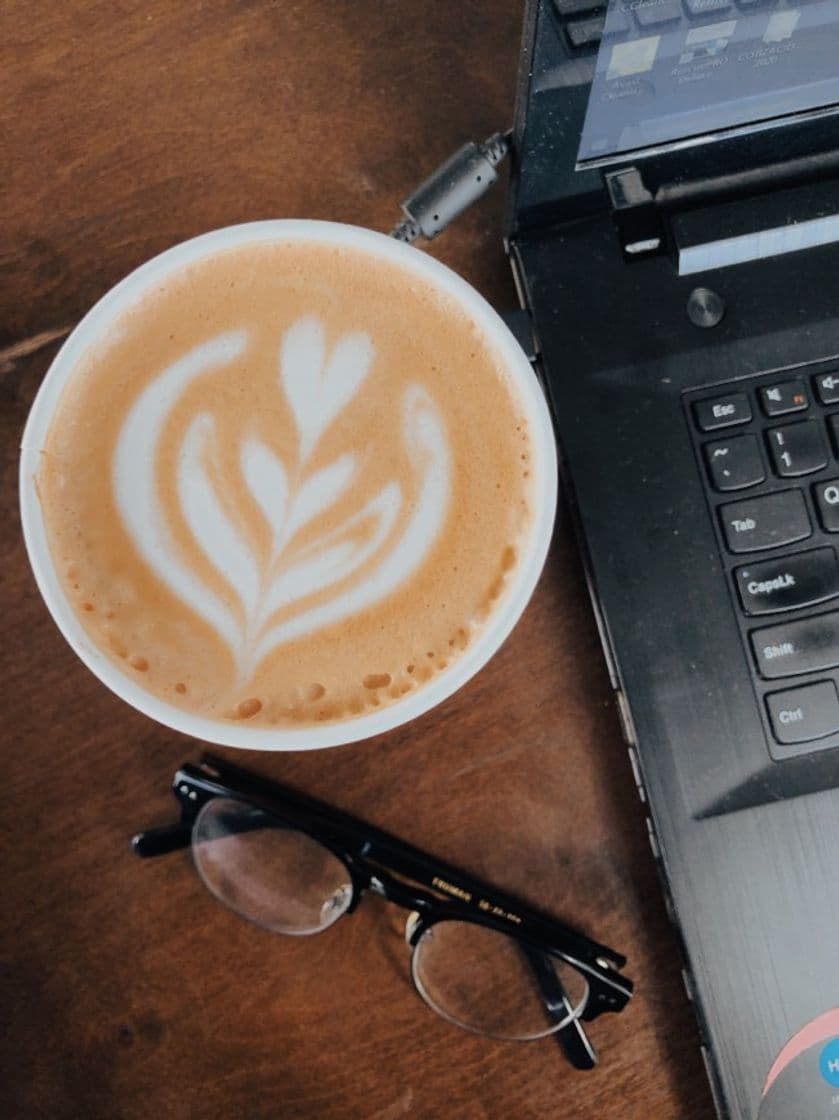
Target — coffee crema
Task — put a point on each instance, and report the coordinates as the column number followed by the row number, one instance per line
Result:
column 290, row 487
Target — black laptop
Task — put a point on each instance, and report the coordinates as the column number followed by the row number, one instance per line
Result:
column 674, row 231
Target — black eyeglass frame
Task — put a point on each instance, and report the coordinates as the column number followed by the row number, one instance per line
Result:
column 379, row 862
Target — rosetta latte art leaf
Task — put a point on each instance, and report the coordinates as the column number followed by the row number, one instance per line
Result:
column 318, row 386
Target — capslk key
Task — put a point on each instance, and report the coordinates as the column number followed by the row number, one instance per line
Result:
column 765, row 522
column 789, row 582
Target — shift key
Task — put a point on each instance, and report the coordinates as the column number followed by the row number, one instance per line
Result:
column 767, row 522
column 807, row 645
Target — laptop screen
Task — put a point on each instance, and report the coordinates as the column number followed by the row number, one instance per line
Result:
column 677, row 70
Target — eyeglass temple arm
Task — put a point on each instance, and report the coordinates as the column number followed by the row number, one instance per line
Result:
column 403, row 857
column 572, row 1037
column 576, row 1045
column 172, row 837
column 162, row 841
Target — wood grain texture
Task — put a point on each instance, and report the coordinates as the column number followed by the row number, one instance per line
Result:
column 127, row 992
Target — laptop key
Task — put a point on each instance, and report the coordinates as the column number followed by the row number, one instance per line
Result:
column 788, row 582
column 797, row 449
column 801, row 714
column 722, row 412
column 826, row 495
column 585, row 32
column 789, row 396
column 577, row 7
column 735, row 463
column 655, row 15
column 766, row 522
column 833, row 425
column 707, row 7
column 808, row 645
column 827, row 387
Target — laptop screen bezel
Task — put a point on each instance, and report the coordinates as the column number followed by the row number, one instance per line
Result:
column 549, row 125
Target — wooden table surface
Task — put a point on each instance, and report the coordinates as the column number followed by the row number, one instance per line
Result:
column 127, row 992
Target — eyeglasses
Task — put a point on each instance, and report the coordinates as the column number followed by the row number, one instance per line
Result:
column 479, row 957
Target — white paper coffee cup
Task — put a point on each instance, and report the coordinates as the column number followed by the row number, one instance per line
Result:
column 95, row 326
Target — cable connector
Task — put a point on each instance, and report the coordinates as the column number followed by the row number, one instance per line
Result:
column 452, row 188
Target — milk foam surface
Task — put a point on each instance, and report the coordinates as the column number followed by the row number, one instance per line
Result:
column 291, row 487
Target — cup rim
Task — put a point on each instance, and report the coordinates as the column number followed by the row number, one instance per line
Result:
column 399, row 712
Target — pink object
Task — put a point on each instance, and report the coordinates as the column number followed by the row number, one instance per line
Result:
column 819, row 1030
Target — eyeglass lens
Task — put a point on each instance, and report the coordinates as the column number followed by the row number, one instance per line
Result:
column 485, row 981
column 278, row 877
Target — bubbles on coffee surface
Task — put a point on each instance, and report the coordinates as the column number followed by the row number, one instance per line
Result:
column 314, row 703
column 301, row 505
column 377, row 680
column 247, row 709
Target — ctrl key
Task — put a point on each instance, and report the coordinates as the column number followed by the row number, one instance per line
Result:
column 801, row 714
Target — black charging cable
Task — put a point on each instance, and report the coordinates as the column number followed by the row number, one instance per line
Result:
column 452, row 188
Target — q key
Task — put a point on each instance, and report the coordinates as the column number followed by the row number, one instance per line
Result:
column 826, row 495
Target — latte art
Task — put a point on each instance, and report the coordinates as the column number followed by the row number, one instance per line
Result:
column 289, row 496
column 291, row 484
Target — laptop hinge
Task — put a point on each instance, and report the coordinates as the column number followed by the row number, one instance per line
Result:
column 636, row 215
column 642, row 215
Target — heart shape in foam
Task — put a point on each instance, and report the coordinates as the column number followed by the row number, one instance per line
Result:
column 318, row 387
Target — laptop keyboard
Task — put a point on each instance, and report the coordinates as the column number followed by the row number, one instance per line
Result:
column 583, row 21
column 768, row 451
